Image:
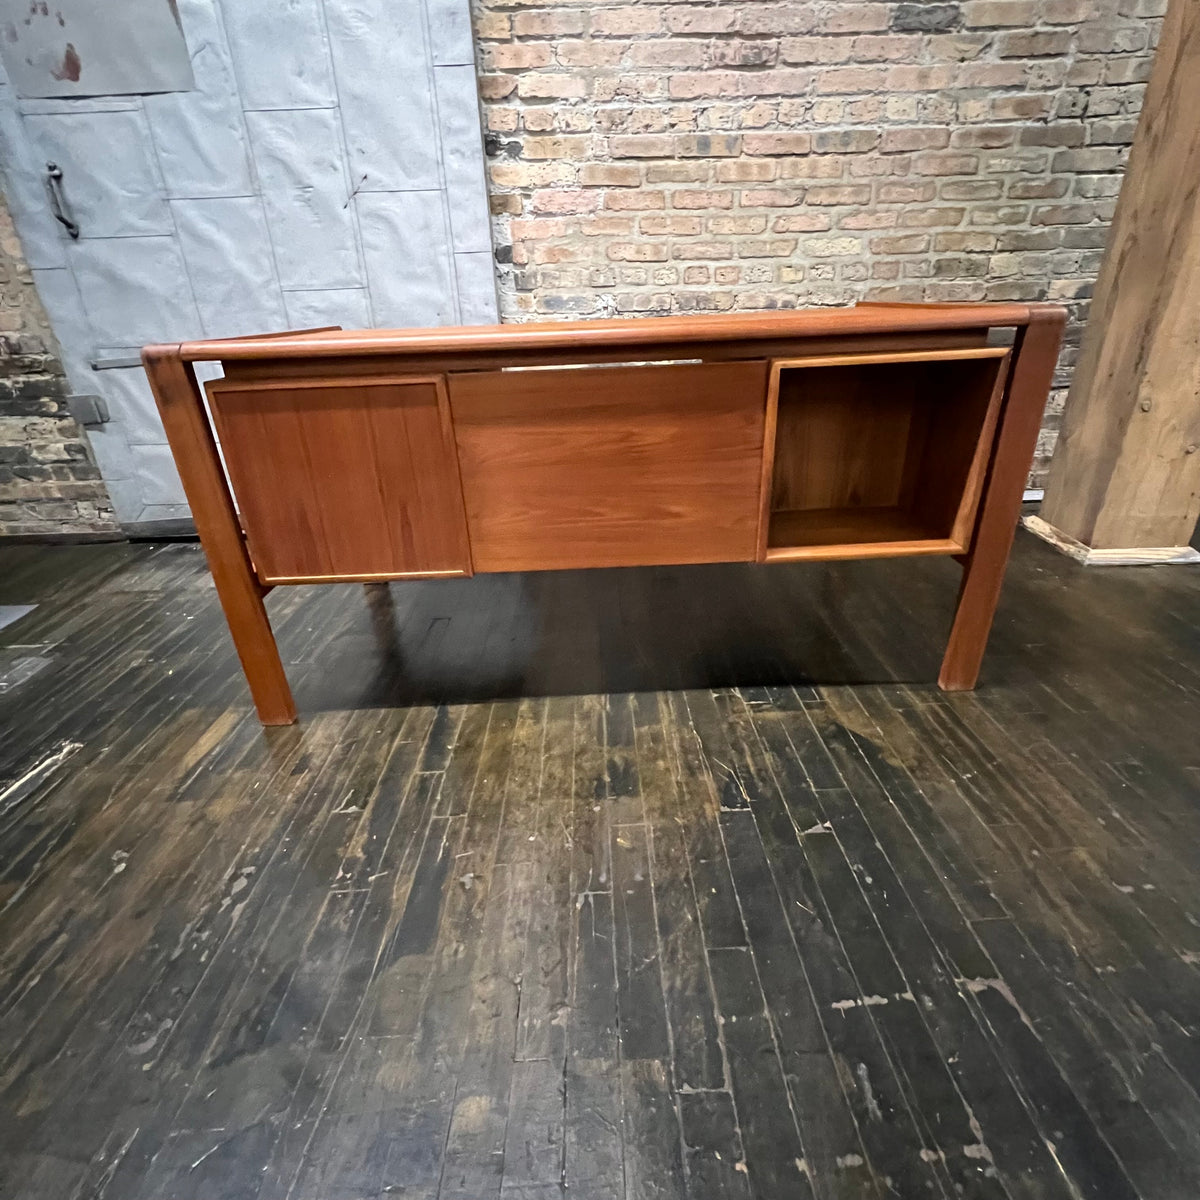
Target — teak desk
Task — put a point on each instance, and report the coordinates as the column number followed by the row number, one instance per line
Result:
column 861, row 432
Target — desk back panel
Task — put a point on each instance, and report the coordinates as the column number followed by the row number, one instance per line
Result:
column 611, row 466
column 347, row 478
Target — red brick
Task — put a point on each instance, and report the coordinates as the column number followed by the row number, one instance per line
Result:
column 691, row 198
column 945, row 163
column 826, row 194
column 747, row 170
column 637, row 251
column 517, row 56
column 777, row 19
column 777, row 143
column 766, row 248
column 984, row 13
column 659, row 224
column 852, row 16
column 687, row 250
column 723, row 18
column 739, row 223
column 572, row 146
column 541, row 85
column 610, row 175
column 882, row 218
column 744, row 53
column 550, row 23
column 640, row 199
column 605, row 225
column 708, row 145
column 689, row 86
column 910, row 243
column 590, row 53
column 801, row 222
column 770, row 198
column 629, row 19
column 640, row 146
column 816, row 49
column 667, row 54
column 845, row 141
column 849, row 80
column 909, row 192
column 897, row 141
column 778, row 81
column 565, row 201
column 497, row 87
column 932, row 216
column 1034, row 43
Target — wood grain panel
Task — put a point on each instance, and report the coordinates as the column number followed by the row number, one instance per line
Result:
column 887, row 449
column 605, row 467
column 582, row 336
column 840, row 438
column 954, row 459
column 339, row 479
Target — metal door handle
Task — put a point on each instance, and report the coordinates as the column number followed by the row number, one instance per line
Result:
column 58, row 202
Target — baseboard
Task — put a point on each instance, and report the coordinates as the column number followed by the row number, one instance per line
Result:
column 1139, row 556
column 61, row 539
column 181, row 530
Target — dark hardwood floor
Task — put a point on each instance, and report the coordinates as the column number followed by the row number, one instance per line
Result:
column 645, row 884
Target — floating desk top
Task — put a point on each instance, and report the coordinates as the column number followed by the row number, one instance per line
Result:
column 880, row 430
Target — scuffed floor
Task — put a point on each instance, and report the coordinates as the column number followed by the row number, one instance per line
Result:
column 644, row 884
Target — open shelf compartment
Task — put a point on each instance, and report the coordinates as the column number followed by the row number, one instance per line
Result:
column 877, row 455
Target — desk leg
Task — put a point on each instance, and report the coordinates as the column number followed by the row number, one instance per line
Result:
column 190, row 435
column 1016, row 439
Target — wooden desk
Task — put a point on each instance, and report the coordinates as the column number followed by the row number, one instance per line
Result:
column 880, row 430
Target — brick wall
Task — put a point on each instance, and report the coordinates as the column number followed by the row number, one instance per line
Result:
column 651, row 158
column 49, row 483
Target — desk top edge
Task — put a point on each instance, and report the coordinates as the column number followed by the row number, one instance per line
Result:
column 632, row 332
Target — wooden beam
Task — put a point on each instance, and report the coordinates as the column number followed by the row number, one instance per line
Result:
column 1126, row 473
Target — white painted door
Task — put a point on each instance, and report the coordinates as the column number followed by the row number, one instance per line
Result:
column 327, row 168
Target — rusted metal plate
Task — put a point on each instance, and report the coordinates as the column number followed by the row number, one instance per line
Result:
column 77, row 48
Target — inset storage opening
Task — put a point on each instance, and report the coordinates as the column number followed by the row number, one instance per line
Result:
column 881, row 454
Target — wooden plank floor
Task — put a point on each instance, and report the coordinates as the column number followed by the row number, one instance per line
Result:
column 628, row 884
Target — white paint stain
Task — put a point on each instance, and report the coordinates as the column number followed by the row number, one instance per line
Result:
column 975, row 986
column 860, row 1002
column 22, row 786
column 864, row 1080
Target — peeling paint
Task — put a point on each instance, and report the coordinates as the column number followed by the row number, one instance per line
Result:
column 975, row 986
column 864, row 1080
column 860, row 1002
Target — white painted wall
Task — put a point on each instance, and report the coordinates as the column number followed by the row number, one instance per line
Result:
column 326, row 169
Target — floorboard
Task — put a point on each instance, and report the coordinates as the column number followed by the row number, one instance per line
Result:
column 667, row 884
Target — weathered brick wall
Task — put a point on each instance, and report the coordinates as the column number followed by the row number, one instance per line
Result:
column 648, row 158
column 49, row 483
